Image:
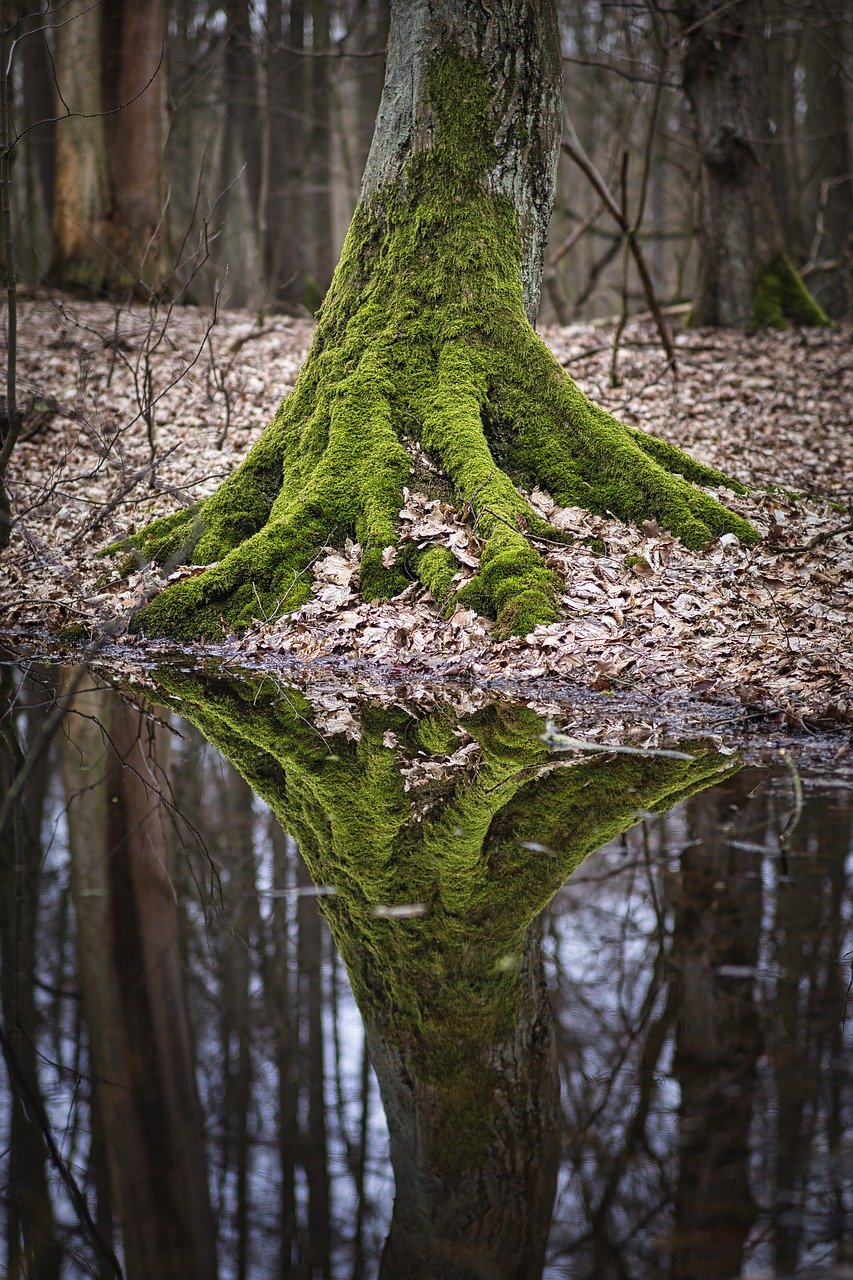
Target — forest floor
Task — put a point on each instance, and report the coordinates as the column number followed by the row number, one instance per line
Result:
column 766, row 628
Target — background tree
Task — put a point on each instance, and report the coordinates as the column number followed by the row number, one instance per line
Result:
column 110, row 195
column 623, row 93
column 745, row 274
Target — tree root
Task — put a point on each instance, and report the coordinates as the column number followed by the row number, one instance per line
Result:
column 262, row 531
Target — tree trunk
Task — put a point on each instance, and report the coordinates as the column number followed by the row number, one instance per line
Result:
column 718, row 1041
column 285, row 216
column 240, row 168
column 109, row 203
column 426, row 338
column 319, row 151
column 475, row 1155
column 133, row 34
column 745, row 276
column 33, row 1245
column 80, row 194
column 829, row 168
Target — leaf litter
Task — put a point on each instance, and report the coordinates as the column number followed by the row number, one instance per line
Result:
column 765, row 628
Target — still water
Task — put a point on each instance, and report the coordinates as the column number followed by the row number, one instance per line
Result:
column 352, row 990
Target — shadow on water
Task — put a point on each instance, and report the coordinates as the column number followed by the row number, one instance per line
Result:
column 295, row 990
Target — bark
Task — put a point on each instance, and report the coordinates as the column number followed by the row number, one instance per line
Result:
column 287, row 106
column 745, row 277
column 133, row 34
column 828, row 169
column 517, row 43
column 425, row 338
column 319, row 175
column 35, row 167
column 108, row 215
column 80, row 254
column 240, row 168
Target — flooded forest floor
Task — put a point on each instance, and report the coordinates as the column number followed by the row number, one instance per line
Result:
column 132, row 413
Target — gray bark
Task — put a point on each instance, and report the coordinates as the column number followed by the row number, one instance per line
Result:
column 725, row 78
column 829, row 169
column 517, row 42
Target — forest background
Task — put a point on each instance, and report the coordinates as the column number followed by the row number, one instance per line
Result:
column 218, row 148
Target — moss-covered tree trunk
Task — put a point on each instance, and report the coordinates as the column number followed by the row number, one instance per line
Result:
column 425, row 342
column 745, row 276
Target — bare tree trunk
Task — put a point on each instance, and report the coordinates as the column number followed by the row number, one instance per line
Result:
column 283, row 1012
column 828, row 187
column 34, row 203
column 33, row 1248
column 240, row 168
column 745, row 277
column 80, row 253
column 783, row 49
column 319, row 175
column 237, row 996
column 133, row 34
column 315, row 1148
column 717, row 928
column 287, row 105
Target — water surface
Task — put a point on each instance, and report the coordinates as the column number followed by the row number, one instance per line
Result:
column 341, row 990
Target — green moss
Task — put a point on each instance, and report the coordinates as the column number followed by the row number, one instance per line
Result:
column 73, row 633
column 780, row 296
column 436, row 567
column 423, row 337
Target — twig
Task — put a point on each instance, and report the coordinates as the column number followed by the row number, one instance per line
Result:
column 560, row 742
column 574, row 150
column 816, row 541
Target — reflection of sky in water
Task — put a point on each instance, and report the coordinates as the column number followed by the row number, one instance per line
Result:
column 601, row 940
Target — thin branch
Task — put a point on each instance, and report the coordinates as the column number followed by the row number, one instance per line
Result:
column 574, row 150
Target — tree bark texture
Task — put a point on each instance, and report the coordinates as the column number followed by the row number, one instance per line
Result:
column 828, row 195
column 517, row 43
column 109, row 207
column 133, row 35
column 80, row 256
column 745, row 277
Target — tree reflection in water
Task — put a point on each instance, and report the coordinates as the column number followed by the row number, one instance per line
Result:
column 217, row 1074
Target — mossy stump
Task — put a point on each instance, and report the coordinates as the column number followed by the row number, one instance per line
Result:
column 423, row 339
